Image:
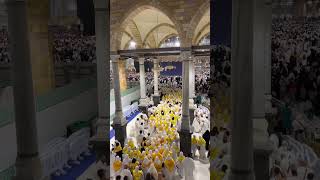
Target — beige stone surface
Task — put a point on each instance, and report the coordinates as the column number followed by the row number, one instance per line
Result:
column 135, row 19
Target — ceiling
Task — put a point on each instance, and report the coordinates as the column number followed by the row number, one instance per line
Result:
column 203, row 28
column 150, row 27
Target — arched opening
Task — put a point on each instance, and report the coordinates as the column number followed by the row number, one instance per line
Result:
column 172, row 40
column 205, row 40
column 202, row 29
column 147, row 28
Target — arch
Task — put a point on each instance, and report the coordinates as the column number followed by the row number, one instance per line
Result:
column 126, row 46
column 198, row 36
column 155, row 28
column 136, row 9
column 203, row 9
column 165, row 38
column 128, row 34
column 135, row 32
column 201, row 37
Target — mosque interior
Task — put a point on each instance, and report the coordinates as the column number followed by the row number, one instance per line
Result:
column 159, row 89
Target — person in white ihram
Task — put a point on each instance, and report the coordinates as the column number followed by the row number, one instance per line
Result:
column 126, row 172
column 189, row 167
column 153, row 171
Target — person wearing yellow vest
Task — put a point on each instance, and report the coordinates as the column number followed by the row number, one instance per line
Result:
column 118, row 149
column 133, row 164
column 170, row 168
column 194, row 145
column 117, row 166
column 131, row 144
column 202, row 152
column 158, row 164
column 219, row 174
column 146, row 165
column 142, row 156
column 179, row 163
column 137, row 174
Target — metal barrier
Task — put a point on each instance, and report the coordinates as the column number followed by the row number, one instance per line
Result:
column 56, row 154
column 7, row 174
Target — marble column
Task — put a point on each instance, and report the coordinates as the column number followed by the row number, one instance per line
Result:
column 143, row 97
column 262, row 146
column 185, row 132
column 41, row 42
column 191, row 90
column 241, row 88
column 101, row 127
column 119, row 121
column 156, row 95
column 27, row 162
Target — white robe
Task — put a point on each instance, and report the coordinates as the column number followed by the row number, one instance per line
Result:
column 189, row 168
column 126, row 172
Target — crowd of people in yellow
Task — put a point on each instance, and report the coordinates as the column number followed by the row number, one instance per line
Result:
column 154, row 151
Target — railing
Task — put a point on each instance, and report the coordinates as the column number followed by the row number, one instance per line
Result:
column 124, row 93
column 52, row 98
column 66, row 73
column 8, row 173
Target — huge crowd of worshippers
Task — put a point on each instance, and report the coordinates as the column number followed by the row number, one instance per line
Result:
column 201, row 81
column 70, row 46
column 153, row 150
column 296, row 61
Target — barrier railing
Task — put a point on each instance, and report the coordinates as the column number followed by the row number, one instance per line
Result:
column 124, row 93
column 8, row 173
column 130, row 110
column 52, row 98
column 56, row 154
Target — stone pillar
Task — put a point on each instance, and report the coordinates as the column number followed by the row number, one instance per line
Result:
column 119, row 121
column 123, row 75
column 192, row 81
column 241, row 88
column 101, row 129
column 185, row 133
column 156, row 96
column 261, row 55
column 191, row 90
column 143, row 97
column 40, row 46
column 27, row 163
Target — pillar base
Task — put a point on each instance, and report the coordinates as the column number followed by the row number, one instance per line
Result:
column 156, row 100
column 143, row 108
column 101, row 146
column 120, row 127
column 261, row 161
column 120, row 132
column 185, row 142
column 100, row 127
column 28, row 168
